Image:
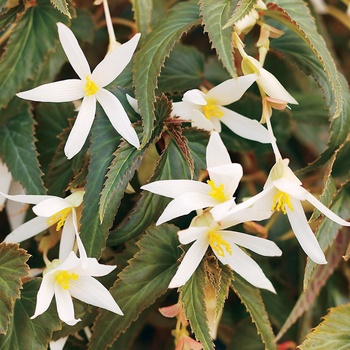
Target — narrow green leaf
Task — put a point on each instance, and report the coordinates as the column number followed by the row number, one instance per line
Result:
column 13, row 268
column 143, row 15
column 318, row 279
column 145, row 279
column 192, row 297
column 17, row 148
column 24, row 333
column 23, row 56
column 251, row 298
column 242, row 9
column 155, row 49
column 215, row 14
column 332, row 333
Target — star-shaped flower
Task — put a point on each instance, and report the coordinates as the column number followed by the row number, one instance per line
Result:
column 90, row 87
column 192, row 195
column 207, row 111
column 283, row 192
column 205, row 232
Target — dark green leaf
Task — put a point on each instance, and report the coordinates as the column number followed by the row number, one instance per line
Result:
column 242, row 9
column 143, row 15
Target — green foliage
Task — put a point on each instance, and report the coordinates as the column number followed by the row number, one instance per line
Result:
column 243, row 7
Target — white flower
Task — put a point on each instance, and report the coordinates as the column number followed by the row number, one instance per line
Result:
column 90, row 88
column 205, row 232
column 73, row 278
column 207, row 111
column 58, row 344
column 192, row 195
column 283, row 192
column 246, row 24
column 50, row 210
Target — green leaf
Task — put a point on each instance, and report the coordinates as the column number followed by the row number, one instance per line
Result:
column 145, row 279
column 155, row 49
column 13, row 268
column 302, row 44
column 193, row 299
column 17, row 148
column 332, row 333
column 62, row 6
column 183, row 70
column 23, row 56
column 318, row 279
column 251, row 298
column 24, row 333
column 215, row 14
column 143, row 15
column 242, row 9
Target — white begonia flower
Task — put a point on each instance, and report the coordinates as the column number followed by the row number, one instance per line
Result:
column 90, row 87
column 58, row 344
column 74, row 278
column 283, row 192
column 193, row 195
column 205, row 232
column 50, row 210
column 207, row 111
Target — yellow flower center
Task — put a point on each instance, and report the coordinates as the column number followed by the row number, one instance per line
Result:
column 212, row 110
column 280, row 201
column 218, row 244
column 63, row 278
column 90, row 87
column 217, row 192
column 60, row 217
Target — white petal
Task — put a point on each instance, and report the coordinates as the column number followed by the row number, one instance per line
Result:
column 190, row 262
column 194, row 96
column 94, row 268
column 258, row 245
column 73, row 51
column 5, row 182
column 67, row 238
column 44, row 296
column 24, row 198
column 231, row 90
column 50, row 206
column 245, row 266
column 174, row 188
column 183, row 109
column 199, row 120
column 326, row 211
column 58, row 344
column 65, row 306
column 216, row 152
column 304, row 234
column 27, row 230
column 16, row 211
column 117, row 116
column 59, row 91
column 290, row 187
column 133, row 103
column 91, row 291
column 184, row 204
column 247, row 128
column 115, row 62
column 191, row 234
column 81, row 127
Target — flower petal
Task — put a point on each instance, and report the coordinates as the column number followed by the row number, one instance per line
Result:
column 190, row 262
column 27, row 230
column 183, row 109
column 198, row 120
column 114, row 62
column 117, row 116
column 304, row 234
column 91, row 291
column 258, row 245
column 290, row 187
column 67, row 238
column 191, row 234
column 59, row 91
column 44, row 296
column 247, row 128
column 91, row 267
column 65, row 306
column 50, row 206
column 5, row 183
column 231, row 90
column 58, row 344
column 73, row 51
column 81, row 127
column 16, row 211
column 24, row 198
column 245, row 266
column 194, row 96
column 216, row 152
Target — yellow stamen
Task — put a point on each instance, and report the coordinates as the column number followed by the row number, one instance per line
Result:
column 217, row 192
column 212, row 110
column 218, row 244
column 280, row 201
column 90, row 87
column 60, row 217
column 63, row 278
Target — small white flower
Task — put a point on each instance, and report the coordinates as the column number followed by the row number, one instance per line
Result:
column 205, row 232
column 283, row 192
column 90, row 87
column 74, row 278
column 192, row 195
column 50, row 210
column 207, row 111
